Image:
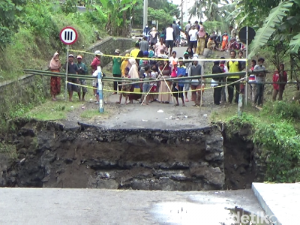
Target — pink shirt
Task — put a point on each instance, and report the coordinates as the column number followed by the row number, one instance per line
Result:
column 159, row 47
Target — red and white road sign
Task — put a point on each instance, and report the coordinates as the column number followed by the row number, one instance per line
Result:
column 68, row 35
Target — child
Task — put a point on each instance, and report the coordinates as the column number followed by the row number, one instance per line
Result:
column 146, row 86
column 181, row 72
column 153, row 75
column 125, row 87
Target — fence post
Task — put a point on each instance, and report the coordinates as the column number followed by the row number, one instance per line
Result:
column 100, row 90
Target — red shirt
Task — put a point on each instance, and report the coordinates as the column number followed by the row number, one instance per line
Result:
column 96, row 62
column 276, row 79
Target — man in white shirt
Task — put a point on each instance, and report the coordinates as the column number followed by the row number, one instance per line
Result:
column 170, row 38
column 193, row 33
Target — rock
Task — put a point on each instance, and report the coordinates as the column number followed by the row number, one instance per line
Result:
column 214, row 156
column 68, row 161
column 97, row 164
column 48, row 157
column 210, row 174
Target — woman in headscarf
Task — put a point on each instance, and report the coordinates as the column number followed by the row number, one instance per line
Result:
column 135, row 88
column 201, row 41
column 165, row 86
column 55, row 66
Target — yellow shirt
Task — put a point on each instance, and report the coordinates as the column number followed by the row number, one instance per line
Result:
column 123, row 66
column 233, row 68
column 134, row 52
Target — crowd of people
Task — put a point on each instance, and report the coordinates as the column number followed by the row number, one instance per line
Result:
column 153, row 58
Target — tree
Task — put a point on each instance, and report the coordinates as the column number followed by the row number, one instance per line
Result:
column 8, row 19
column 155, row 11
column 275, row 21
column 118, row 15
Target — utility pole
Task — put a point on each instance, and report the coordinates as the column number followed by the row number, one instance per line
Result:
column 181, row 21
column 145, row 19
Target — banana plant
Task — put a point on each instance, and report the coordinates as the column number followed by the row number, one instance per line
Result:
column 118, row 13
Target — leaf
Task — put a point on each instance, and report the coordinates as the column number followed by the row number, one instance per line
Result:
column 275, row 18
column 295, row 44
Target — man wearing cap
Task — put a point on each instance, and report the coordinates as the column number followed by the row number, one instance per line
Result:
column 117, row 61
column 95, row 63
column 82, row 70
column 72, row 69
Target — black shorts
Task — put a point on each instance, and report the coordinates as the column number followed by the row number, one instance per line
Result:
column 175, row 90
column 193, row 44
column 169, row 44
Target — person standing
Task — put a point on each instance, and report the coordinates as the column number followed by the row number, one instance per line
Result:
column 233, row 67
column 160, row 46
column 146, row 32
column 170, row 38
column 82, row 70
column 181, row 72
column 196, row 86
column 201, row 41
column 252, row 81
column 117, row 61
column 144, row 45
column 124, row 63
column 260, row 80
column 134, row 52
column 146, row 85
column 55, row 83
column 164, row 86
column 187, row 29
column 178, row 31
column 217, row 89
column 187, row 66
column 225, row 69
column 224, row 42
column 232, row 32
column 72, row 69
column 193, row 38
column 197, row 26
column 95, row 63
column 279, row 82
column 153, row 36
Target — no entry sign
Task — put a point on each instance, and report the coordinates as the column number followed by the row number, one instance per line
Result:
column 68, row 35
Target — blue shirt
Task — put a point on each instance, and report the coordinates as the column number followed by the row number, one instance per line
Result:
column 181, row 70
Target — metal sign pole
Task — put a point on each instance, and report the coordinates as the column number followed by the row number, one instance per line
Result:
column 67, row 68
column 100, row 90
column 246, row 86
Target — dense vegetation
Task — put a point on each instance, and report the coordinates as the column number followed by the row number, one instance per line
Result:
column 274, row 131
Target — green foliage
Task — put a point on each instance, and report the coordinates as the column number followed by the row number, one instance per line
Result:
column 162, row 10
column 272, row 21
column 282, row 110
column 69, row 6
column 8, row 21
column 9, row 149
column 275, row 132
column 159, row 14
column 281, row 145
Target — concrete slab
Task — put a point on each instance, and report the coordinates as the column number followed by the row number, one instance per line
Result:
column 280, row 201
column 99, row 206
